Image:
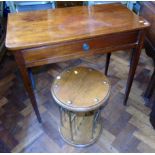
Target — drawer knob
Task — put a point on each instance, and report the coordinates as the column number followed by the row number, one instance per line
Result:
column 85, row 47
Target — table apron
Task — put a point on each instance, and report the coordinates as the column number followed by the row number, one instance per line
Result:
column 75, row 49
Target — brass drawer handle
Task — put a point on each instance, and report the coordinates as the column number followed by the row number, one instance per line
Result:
column 85, row 47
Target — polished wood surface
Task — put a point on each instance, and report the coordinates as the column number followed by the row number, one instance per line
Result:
column 81, row 88
column 48, row 27
column 50, row 36
column 72, row 50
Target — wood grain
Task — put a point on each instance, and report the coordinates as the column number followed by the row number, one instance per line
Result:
column 50, row 36
column 73, row 50
column 84, row 87
column 48, row 27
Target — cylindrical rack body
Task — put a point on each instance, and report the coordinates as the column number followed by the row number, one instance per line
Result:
column 80, row 118
column 80, row 128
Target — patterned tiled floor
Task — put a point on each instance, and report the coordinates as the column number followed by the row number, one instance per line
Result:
column 126, row 128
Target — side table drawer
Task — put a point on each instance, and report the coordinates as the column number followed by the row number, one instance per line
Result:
column 76, row 49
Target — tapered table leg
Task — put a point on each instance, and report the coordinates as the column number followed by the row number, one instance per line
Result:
column 32, row 78
column 107, row 63
column 131, row 56
column 133, row 65
column 27, row 82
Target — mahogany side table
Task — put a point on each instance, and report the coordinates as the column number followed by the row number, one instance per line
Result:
column 50, row 36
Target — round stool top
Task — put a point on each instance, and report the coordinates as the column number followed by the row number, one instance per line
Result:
column 81, row 89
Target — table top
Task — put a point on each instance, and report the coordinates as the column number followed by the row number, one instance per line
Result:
column 81, row 89
column 48, row 27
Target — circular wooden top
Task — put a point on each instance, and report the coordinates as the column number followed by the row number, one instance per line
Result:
column 81, row 89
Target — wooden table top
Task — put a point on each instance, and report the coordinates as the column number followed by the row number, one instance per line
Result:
column 48, row 27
